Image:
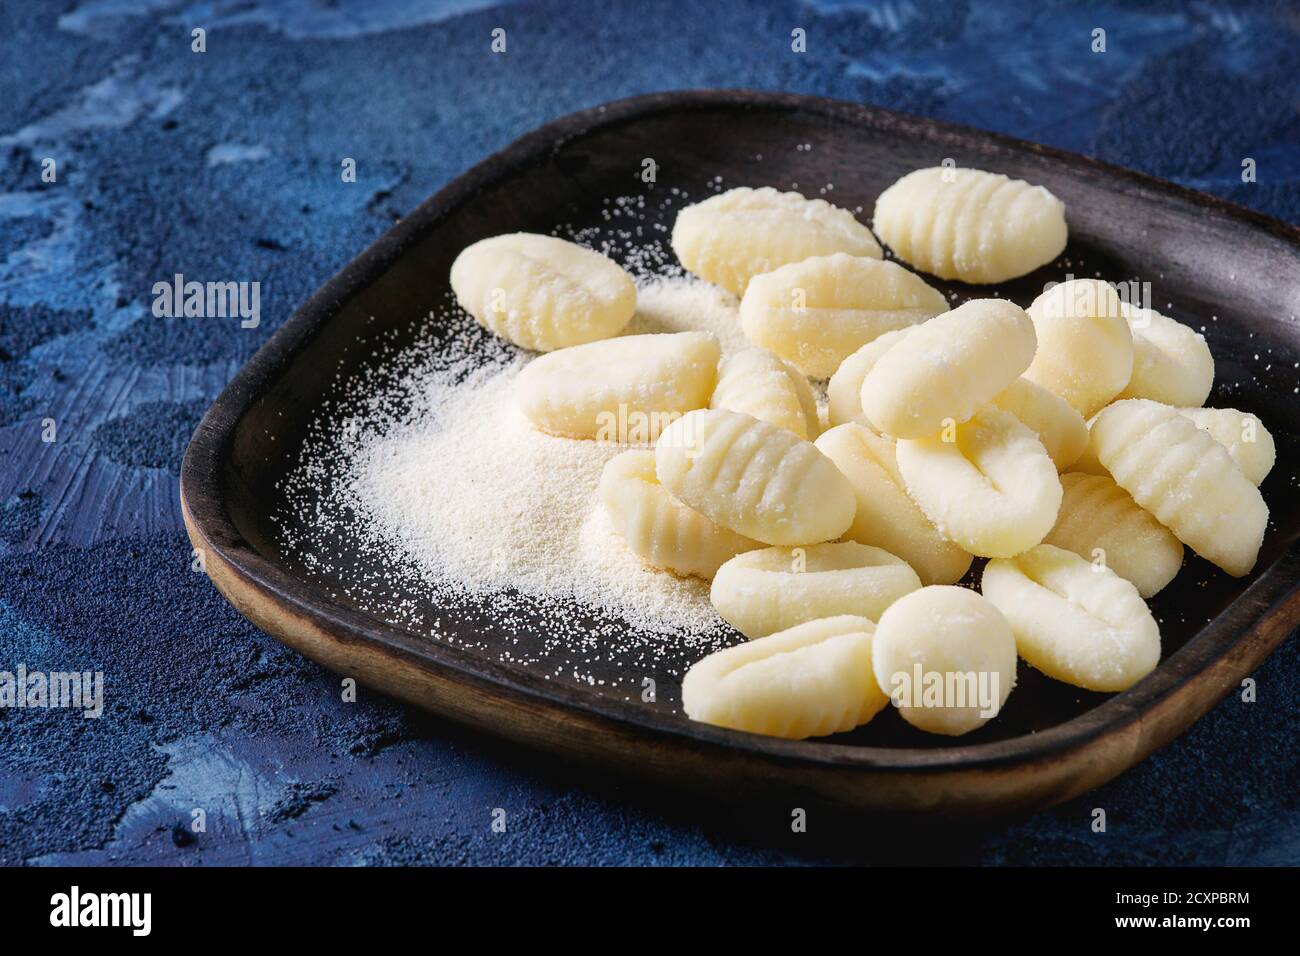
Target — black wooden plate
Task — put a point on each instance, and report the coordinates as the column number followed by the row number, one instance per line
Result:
column 1212, row 264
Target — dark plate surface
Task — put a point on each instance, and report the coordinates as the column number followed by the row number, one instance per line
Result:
column 1209, row 263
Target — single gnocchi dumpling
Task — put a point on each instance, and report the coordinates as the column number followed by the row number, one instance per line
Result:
column 844, row 391
column 756, row 382
column 626, row 389
column 657, row 527
column 992, row 489
column 1073, row 620
column 946, row 658
column 754, row 478
column 970, row 225
column 1248, row 442
column 1180, row 474
column 1085, row 347
column 808, row 681
column 816, row 313
column 1058, row 426
column 542, row 293
column 886, row 516
column 1100, row 521
column 943, row 371
column 1171, row 362
column 761, row 592
column 733, row 236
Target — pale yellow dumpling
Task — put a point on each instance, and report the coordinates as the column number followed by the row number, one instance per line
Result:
column 1171, row 362
column 541, row 292
column 761, row 592
column 844, row 391
column 733, row 236
column 808, row 681
column 1058, row 426
column 1073, row 620
column 1085, row 347
column 756, row 382
column 1249, row 443
column 817, row 312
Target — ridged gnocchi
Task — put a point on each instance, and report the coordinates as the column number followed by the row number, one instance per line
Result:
column 970, row 225
column 657, row 527
column 1085, row 347
column 1100, row 521
column 1244, row 436
column 946, row 369
column 1058, row 426
column 993, row 490
column 1180, row 474
column 1075, row 621
column 542, row 293
column 761, row 592
column 946, row 658
column 625, row 389
column 754, row 478
column 756, row 382
column 816, row 313
column 844, row 391
column 808, row 681
column 886, row 516
column 1172, row 363
column 733, row 236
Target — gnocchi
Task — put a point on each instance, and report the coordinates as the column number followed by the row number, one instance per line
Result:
column 1058, row 426
column 808, row 681
column 761, row 592
column 1171, row 362
column 817, row 312
column 626, row 389
column 946, row 369
column 1085, row 347
column 1073, row 620
column 844, row 391
column 754, row 478
column 1101, row 522
column 542, row 293
column 886, row 516
column 1180, row 474
column 733, row 236
column 756, row 382
column 970, row 225
column 1247, row 440
column 657, row 527
column 993, row 489
column 946, row 658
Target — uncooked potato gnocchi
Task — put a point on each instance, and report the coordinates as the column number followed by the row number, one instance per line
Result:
column 1073, row 620
column 1171, row 362
column 656, row 526
column 1248, row 442
column 844, row 391
column 816, row 313
column 754, row 478
column 625, row 389
column 970, row 225
column 808, row 681
column 1180, row 474
column 1085, row 347
column 541, row 292
column 1058, row 426
column 756, row 382
column 993, row 490
column 945, row 369
column 1101, row 522
column 946, row 658
column 886, row 516
column 733, row 236
column 761, row 592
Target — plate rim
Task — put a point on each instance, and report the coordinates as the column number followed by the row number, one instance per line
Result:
column 211, row 527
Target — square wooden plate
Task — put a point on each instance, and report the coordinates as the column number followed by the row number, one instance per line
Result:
column 1211, row 264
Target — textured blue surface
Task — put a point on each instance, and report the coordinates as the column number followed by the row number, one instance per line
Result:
column 226, row 165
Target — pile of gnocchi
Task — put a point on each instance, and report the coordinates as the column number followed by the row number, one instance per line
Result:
column 1066, row 443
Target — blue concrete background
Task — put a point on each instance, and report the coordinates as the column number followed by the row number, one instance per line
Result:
column 225, row 165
